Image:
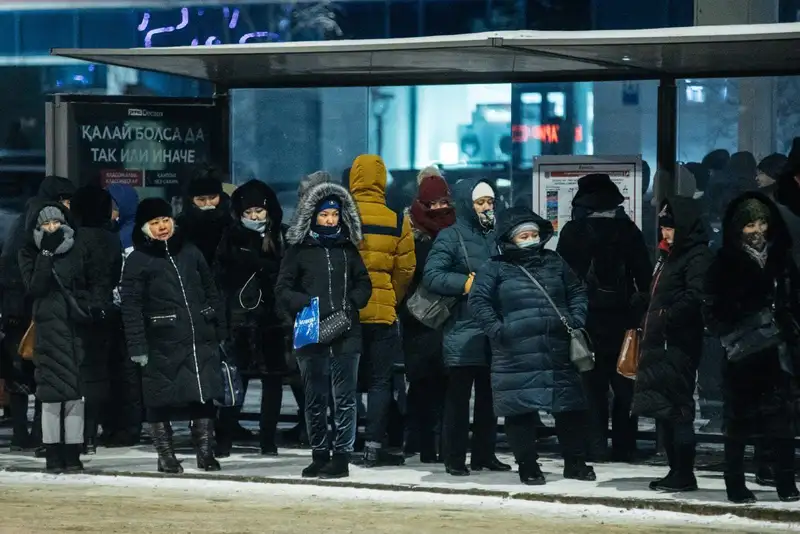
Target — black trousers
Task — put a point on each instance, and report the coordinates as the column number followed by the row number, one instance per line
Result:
column 456, row 420
column 623, row 425
column 190, row 412
column 381, row 344
column 124, row 409
column 426, row 399
column 570, row 428
column 271, row 399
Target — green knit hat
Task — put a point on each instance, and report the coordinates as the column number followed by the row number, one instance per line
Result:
column 751, row 210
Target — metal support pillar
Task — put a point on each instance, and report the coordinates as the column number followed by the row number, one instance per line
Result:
column 667, row 131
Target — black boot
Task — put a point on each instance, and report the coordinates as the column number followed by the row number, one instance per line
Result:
column 429, row 456
column 377, row 457
column 490, row 464
column 737, row 490
column 531, row 474
column 576, row 469
column 162, row 440
column 784, row 471
column 72, row 458
column 457, row 469
column 319, row 459
column 765, row 475
column 203, row 440
column 338, row 467
column 54, row 458
column 682, row 478
column 655, row 484
column 21, row 440
column 90, row 447
column 224, row 443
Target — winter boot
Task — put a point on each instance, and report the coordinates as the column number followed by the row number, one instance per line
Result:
column 21, row 440
column 72, row 458
column 319, row 459
column 54, row 458
column 784, row 470
column 162, row 440
column 655, row 484
column 457, row 469
column 490, row 464
column 786, row 486
column 765, row 475
column 377, row 457
column 90, row 447
column 737, row 490
column 429, row 456
column 576, row 469
column 224, row 443
column 203, row 440
column 338, row 467
column 682, row 478
column 531, row 474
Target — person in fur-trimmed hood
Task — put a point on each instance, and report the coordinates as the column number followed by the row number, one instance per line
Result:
column 323, row 261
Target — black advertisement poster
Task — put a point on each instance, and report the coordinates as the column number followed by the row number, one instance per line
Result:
column 144, row 146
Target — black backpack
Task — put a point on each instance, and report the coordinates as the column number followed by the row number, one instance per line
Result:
column 606, row 278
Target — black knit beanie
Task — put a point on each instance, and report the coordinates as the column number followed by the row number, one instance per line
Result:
column 152, row 208
column 749, row 211
column 207, row 186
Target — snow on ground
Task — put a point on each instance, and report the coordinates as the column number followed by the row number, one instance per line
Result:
column 292, row 493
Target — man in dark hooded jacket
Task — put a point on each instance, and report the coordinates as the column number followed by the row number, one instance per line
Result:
column 16, row 310
column 607, row 251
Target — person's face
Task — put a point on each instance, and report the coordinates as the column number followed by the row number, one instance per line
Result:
column 526, row 236
column 442, row 203
column 668, row 234
column 256, row 214
column 764, row 180
column 483, row 204
column 756, row 227
column 51, row 226
column 329, row 217
column 161, row 228
column 66, row 203
column 205, row 202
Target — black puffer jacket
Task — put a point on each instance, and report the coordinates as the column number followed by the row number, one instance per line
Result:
column 246, row 275
column 169, row 309
column 334, row 272
column 204, row 229
column 531, row 368
column 757, row 390
column 60, row 333
column 91, row 208
column 672, row 339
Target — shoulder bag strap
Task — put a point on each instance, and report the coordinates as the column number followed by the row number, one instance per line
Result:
column 550, row 300
column 463, row 248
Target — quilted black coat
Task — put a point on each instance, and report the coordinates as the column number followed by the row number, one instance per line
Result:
column 169, row 309
column 531, row 368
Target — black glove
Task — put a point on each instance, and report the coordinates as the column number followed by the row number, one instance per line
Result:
column 51, row 240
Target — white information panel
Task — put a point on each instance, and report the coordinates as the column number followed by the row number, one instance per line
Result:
column 555, row 182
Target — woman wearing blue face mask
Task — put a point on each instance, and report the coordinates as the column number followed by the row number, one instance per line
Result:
column 246, row 268
column 531, row 367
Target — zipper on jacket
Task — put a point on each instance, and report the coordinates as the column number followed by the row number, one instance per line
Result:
column 330, row 288
column 191, row 324
column 156, row 317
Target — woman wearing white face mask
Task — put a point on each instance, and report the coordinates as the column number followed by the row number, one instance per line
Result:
column 531, row 367
column 246, row 268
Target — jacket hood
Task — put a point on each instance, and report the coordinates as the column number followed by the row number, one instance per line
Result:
column 315, row 178
column 306, row 208
column 273, row 205
column 778, row 225
column 127, row 199
column 597, row 192
column 55, row 188
column 690, row 230
column 462, row 198
column 91, row 207
column 368, row 179
column 508, row 219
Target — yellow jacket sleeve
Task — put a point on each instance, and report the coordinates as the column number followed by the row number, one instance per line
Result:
column 405, row 261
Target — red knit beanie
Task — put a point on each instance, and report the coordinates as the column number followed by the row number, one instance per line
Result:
column 432, row 188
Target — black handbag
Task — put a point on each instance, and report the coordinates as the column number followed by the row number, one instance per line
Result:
column 431, row 309
column 757, row 333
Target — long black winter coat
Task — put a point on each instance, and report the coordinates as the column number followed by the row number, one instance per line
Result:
column 531, row 368
column 60, row 333
column 672, row 339
column 756, row 391
column 246, row 275
column 333, row 271
column 169, row 309
column 446, row 273
column 91, row 208
column 608, row 239
column 422, row 346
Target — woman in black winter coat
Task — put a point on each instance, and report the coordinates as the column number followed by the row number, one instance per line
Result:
column 323, row 261
column 206, row 213
column 65, row 283
column 531, row 366
column 170, row 309
column 91, row 208
column 754, row 281
column 672, row 338
column 430, row 213
column 246, row 269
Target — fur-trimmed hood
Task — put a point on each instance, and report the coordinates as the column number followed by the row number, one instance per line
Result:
column 306, row 207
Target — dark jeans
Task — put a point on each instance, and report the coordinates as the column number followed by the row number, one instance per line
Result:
column 570, row 428
column 624, row 426
column 271, row 398
column 381, row 344
column 426, row 397
column 456, row 418
column 191, row 412
column 321, row 374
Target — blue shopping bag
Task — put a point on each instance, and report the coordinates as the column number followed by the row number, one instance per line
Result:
column 306, row 325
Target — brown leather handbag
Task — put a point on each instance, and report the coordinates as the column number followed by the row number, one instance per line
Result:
column 26, row 345
column 628, row 361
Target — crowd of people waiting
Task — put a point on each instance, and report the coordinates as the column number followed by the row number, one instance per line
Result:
column 126, row 302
